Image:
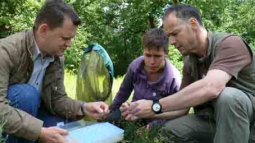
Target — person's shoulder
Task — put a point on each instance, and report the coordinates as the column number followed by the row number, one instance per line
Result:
column 13, row 42
column 218, row 34
column 16, row 45
column 138, row 60
column 232, row 38
column 169, row 65
column 15, row 37
column 172, row 69
column 135, row 64
column 222, row 37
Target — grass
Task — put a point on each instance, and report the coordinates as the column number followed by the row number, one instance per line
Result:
column 3, row 121
column 70, row 84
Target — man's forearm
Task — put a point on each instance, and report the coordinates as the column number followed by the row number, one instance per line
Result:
column 190, row 96
column 171, row 114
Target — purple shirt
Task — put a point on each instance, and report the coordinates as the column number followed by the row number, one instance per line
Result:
column 136, row 79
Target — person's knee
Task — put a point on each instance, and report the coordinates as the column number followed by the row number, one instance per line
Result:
column 189, row 128
column 25, row 93
column 175, row 131
column 232, row 102
column 24, row 97
column 232, row 98
column 168, row 128
column 168, row 133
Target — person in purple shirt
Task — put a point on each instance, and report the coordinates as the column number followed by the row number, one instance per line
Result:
column 150, row 76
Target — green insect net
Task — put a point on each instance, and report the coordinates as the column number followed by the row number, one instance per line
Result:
column 93, row 81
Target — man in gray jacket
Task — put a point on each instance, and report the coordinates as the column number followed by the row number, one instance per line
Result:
column 32, row 93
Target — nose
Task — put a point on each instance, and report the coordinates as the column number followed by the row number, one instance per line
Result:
column 152, row 60
column 68, row 43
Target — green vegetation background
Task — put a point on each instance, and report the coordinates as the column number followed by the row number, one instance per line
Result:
column 119, row 24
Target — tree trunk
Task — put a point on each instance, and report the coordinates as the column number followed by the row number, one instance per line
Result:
column 151, row 21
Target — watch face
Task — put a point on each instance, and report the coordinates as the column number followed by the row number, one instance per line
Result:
column 156, row 107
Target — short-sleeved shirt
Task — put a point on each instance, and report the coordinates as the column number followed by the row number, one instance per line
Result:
column 232, row 57
column 136, row 79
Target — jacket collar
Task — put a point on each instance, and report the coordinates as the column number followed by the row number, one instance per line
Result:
column 30, row 42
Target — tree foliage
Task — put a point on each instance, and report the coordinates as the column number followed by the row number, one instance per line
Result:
column 17, row 15
column 118, row 25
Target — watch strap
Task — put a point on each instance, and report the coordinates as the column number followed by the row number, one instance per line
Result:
column 82, row 108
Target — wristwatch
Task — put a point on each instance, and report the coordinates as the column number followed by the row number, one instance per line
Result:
column 156, row 107
column 82, row 109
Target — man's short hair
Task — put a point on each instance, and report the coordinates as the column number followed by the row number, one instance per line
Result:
column 155, row 39
column 54, row 12
column 184, row 12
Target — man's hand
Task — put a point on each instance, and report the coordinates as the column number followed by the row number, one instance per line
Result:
column 97, row 110
column 52, row 135
column 141, row 109
column 131, row 117
column 124, row 109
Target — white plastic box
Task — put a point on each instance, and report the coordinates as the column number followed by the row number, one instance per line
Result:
column 92, row 132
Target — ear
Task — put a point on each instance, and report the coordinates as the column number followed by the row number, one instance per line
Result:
column 43, row 30
column 193, row 23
